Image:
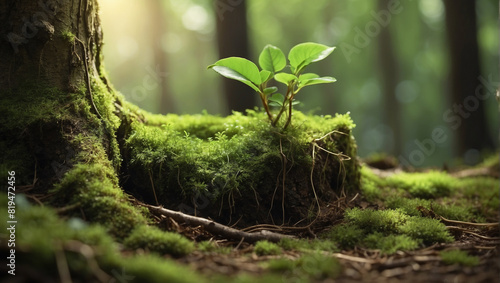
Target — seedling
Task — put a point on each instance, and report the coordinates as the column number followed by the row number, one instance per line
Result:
column 272, row 60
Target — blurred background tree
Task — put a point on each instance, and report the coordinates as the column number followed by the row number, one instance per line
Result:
column 397, row 64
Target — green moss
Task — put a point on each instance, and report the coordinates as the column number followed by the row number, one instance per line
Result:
column 212, row 247
column 428, row 230
column 237, row 158
column 318, row 266
column 345, row 235
column 281, row 265
column 155, row 269
column 459, row 257
column 389, row 244
column 94, row 188
column 309, row 267
column 448, row 211
column 155, row 240
column 68, row 36
column 267, row 248
column 307, row 245
column 41, row 233
column 388, row 230
column 424, row 185
column 376, row 220
column 482, row 193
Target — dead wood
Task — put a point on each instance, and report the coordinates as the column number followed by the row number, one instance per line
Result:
column 217, row 228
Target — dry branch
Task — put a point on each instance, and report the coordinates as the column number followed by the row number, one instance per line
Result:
column 217, row 228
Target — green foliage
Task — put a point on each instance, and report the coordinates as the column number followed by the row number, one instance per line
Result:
column 267, row 248
column 272, row 60
column 459, row 257
column 155, row 240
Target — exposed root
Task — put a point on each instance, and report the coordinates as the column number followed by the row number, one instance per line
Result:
column 217, row 228
column 153, row 187
column 341, row 158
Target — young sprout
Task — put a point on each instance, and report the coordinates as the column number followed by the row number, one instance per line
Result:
column 272, row 61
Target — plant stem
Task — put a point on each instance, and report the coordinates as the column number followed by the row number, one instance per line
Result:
column 266, row 107
column 283, row 107
column 289, row 113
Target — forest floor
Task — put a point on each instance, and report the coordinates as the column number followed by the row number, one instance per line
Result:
column 361, row 237
column 478, row 259
column 363, row 265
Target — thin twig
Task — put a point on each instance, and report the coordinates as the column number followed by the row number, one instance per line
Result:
column 469, row 223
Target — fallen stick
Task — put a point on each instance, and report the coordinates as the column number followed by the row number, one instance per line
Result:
column 217, row 228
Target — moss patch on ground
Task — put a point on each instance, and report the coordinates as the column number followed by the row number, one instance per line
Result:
column 473, row 199
column 239, row 166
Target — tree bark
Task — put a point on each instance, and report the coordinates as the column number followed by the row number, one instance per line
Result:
column 51, row 45
column 232, row 40
column 469, row 121
column 35, row 49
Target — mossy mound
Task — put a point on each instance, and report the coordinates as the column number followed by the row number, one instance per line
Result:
column 240, row 166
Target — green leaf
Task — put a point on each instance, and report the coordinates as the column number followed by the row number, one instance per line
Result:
column 285, row 78
column 272, row 59
column 265, row 75
column 303, row 54
column 239, row 69
column 315, row 81
column 276, row 99
column 307, row 76
column 270, row 90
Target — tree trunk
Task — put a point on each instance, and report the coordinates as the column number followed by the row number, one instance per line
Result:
column 61, row 124
column 390, row 79
column 232, row 39
column 468, row 117
column 159, row 28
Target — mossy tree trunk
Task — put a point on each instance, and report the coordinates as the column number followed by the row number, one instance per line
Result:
column 60, row 118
